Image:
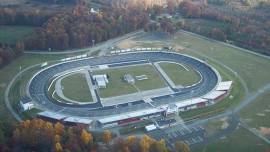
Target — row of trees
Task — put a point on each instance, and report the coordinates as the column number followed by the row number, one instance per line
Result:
column 164, row 25
column 41, row 136
column 14, row 16
column 57, row 1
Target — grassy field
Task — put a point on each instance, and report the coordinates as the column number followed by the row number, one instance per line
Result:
column 250, row 67
column 13, row 34
column 117, row 86
column 179, row 75
column 257, row 114
column 239, row 141
column 75, row 87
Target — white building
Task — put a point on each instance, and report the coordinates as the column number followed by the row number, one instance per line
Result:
column 129, row 79
column 150, row 127
column 26, row 103
column 101, row 80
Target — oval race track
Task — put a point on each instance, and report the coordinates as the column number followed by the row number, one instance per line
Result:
column 40, row 82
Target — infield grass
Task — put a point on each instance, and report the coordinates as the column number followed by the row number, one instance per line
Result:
column 75, row 87
column 117, row 86
column 180, row 75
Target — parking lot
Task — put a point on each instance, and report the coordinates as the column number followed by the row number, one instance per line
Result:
column 191, row 136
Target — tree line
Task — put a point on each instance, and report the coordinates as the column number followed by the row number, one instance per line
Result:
column 42, row 136
column 248, row 30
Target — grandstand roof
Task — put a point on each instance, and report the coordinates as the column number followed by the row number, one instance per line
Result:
column 224, row 86
column 52, row 115
column 189, row 102
column 129, row 115
column 78, row 120
column 214, row 94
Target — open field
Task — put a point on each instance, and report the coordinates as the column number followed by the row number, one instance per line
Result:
column 75, row 87
column 250, row 67
column 179, row 75
column 240, row 140
column 257, row 114
column 117, row 86
column 13, row 34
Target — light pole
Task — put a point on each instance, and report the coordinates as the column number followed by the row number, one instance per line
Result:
column 93, row 43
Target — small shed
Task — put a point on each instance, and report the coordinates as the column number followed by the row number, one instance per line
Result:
column 150, row 127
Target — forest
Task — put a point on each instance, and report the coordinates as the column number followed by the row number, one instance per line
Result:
column 44, row 136
column 75, row 28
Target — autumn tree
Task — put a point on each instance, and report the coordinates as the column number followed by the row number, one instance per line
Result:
column 181, row 147
column 107, row 136
column 159, row 146
column 218, row 34
column 131, row 140
column 145, row 143
column 189, row 9
column 58, row 147
column 86, row 137
column 59, row 128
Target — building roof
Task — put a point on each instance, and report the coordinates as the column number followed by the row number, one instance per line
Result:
column 52, row 115
column 189, row 102
column 101, row 79
column 214, row 94
column 224, row 86
column 150, row 127
column 129, row 115
column 25, row 99
column 78, row 120
column 129, row 78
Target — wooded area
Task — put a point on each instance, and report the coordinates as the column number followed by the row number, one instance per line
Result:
column 40, row 135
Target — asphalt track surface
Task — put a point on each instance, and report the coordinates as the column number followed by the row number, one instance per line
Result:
column 40, row 82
